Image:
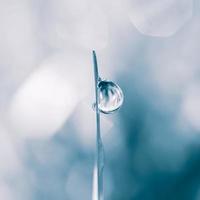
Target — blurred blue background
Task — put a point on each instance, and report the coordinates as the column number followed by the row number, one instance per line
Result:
column 47, row 125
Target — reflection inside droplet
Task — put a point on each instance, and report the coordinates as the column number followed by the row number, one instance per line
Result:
column 110, row 96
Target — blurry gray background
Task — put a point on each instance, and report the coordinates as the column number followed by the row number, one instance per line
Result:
column 47, row 125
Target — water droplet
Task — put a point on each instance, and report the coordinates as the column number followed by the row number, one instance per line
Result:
column 110, row 96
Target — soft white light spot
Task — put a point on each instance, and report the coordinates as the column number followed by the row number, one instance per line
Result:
column 79, row 22
column 191, row 107
column 160, row 18
column 42, row 104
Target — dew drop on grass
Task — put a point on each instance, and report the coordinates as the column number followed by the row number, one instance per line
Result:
column 110, row 97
